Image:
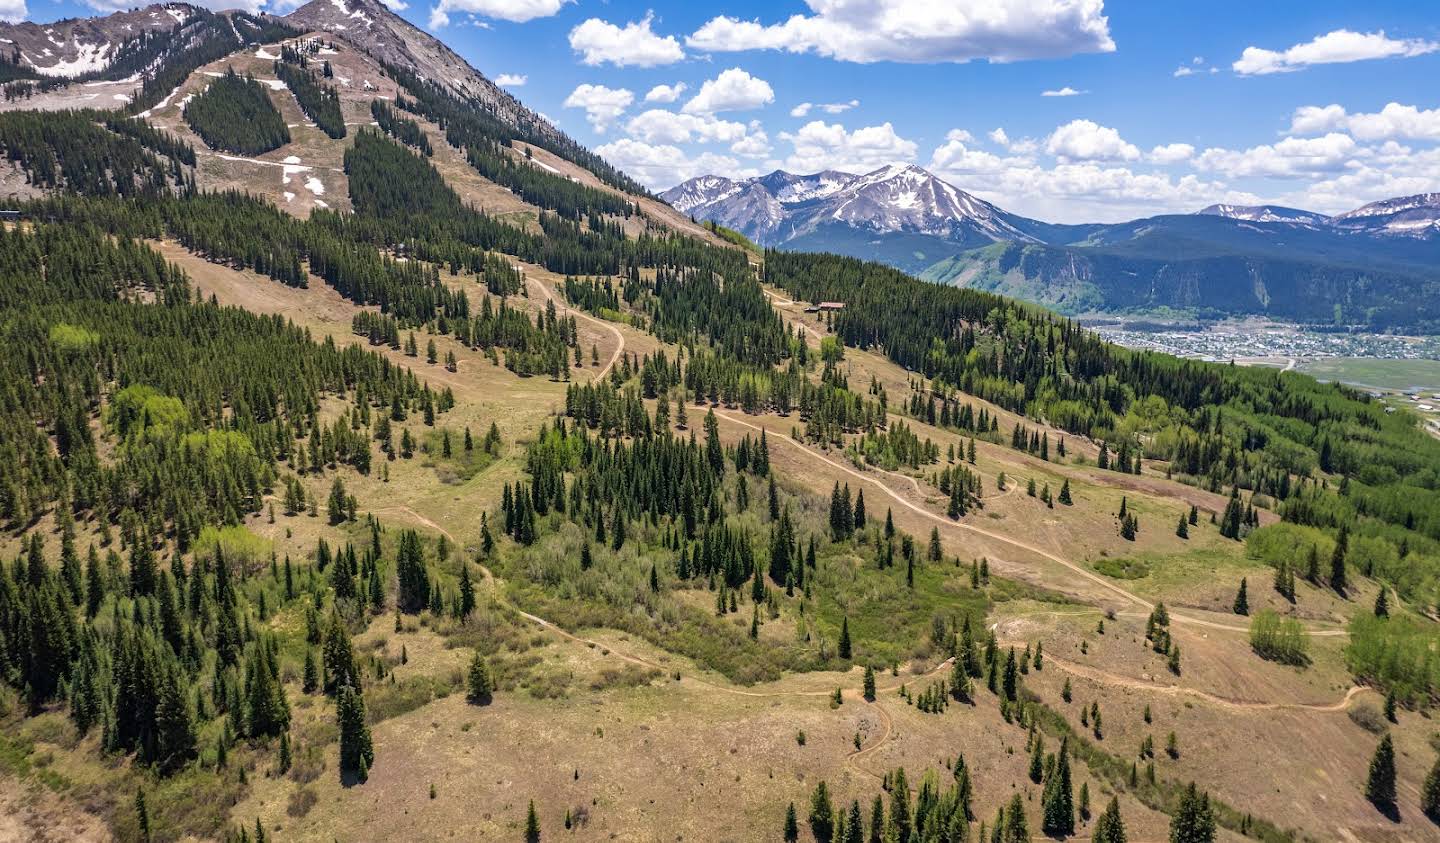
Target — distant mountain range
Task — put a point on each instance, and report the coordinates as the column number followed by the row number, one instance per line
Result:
column 1377, row 266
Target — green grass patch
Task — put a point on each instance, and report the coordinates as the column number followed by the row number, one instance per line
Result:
column 1122, row 569
column 1377, row 373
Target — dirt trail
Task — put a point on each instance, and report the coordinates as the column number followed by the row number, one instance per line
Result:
column 999, row 537
column 1116, row 680
column 561, row 307
column 411, row 513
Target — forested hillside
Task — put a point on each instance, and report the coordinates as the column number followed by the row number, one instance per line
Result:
column 235, row 114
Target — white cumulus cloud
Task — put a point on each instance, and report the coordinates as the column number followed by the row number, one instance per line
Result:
column 602, row 105
column 1393, row 121
column 732, row 90
column 511, row 80
column 1172, row 153
column 1086, row 140
column 666, row 93
column 660, row 126
column 921, row 31
column 664, row 165
column 1337, row 47
column 1066, row 91
column 829, row 146
column 1289, row 158
column 515, row 11
column 633, row 45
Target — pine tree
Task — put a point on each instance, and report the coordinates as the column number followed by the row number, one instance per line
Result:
column 414, row 581
column 1382, row 603
column 822, row 814
column 467, row 592
column 1380, row 782
column 1242, row 602
column 1182, row 529
column 1109, row 827
column 791, row 832
column 357, row 754
column 869, row 684
column 479, row 685
column 532, row 824
column 1430, row 793
column 1193, row 821
column 1337, row 562
column 1058, row 811
column 843, row 649
column 1016, row 829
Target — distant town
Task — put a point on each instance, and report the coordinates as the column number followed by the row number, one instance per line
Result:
column 1262, row 341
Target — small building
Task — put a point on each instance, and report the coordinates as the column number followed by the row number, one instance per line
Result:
column 826, row 307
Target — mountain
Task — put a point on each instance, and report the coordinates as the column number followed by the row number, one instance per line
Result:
column 394, row 41
column 1265, row 213
column 82, row 46
column 900, row 214
column 1359, row 268
column 1406, row 216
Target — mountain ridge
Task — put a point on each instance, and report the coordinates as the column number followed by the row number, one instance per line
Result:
column 1358, row 267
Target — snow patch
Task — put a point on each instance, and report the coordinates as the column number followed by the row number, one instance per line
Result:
column 125, row 98
column 320, row 203
column 261, row 53
column 88, row 58
column 315, row 186
column 289, row 196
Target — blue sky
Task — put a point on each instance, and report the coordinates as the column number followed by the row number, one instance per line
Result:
column 1168, row 106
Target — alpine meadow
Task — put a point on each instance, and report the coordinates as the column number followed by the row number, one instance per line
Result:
column 380, row 461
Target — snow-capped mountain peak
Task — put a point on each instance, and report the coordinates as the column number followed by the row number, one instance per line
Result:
column 1400, row 204
column 1265, row 213
column 895, row 198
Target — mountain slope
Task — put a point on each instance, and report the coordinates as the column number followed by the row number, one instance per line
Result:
column 419, row 60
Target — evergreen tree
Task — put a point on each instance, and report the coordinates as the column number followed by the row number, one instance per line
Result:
column 532, row 824
column 868, row 688
column 1337, row 562
column 1242, row 602
column 1058, row 808
column 1430, row 793
column 357, row 754
column 1193, row 821
column 480, row 687
column 1109, row 827
column 822, row 814
column 1016, row 828
column 791, row 832
column 414, row 581
column 843, row 649
column 1380, row 782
